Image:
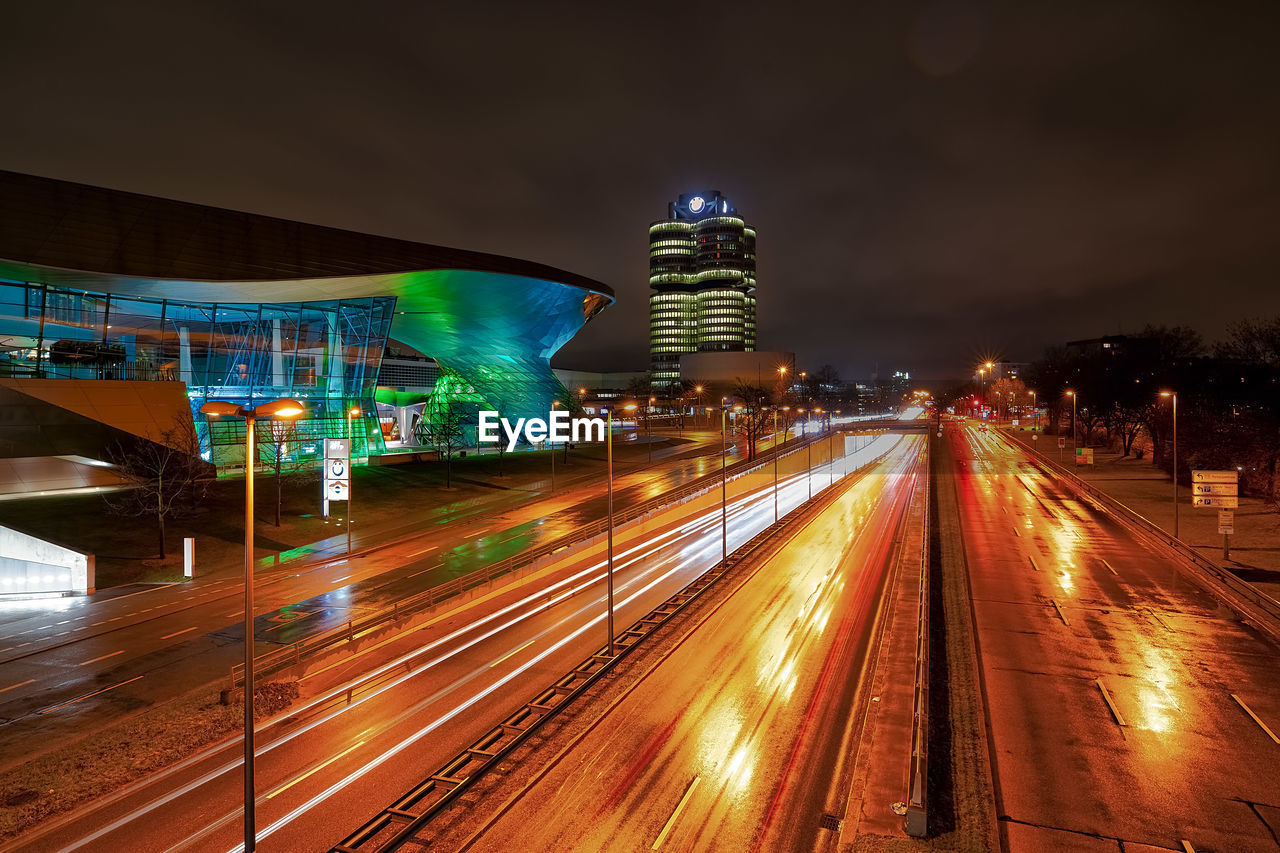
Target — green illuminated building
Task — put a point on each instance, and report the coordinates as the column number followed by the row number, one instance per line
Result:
column 99, row 287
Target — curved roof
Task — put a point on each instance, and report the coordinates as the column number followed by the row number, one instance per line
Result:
column 49, row 223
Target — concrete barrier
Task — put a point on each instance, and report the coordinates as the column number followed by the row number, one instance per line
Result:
column 33, row 566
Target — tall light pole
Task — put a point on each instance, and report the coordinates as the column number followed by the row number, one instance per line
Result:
column 284, row 408
column 724, row 488
column 609, row 456
column 808, row 454
column 1075, row 443
column 1174, row 396
column 353, row 412
column 775, row 460
column 554, row 404
column 1035, row 410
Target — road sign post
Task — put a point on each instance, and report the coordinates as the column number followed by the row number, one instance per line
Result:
column 337, row 471
column 1226, row 526
column 1218, row 489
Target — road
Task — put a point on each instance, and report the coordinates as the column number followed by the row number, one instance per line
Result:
column 68, row 662
column 333, row 760
column 735, row 741
column 1068, row 602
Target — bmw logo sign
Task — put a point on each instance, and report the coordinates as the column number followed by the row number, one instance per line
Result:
column 696, row 204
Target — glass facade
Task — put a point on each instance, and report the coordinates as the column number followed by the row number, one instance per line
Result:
column 325, row 353
column 702, row 271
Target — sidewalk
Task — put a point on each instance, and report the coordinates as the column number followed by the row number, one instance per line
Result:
column 1139, row 485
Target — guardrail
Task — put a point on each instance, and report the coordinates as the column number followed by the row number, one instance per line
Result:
column 1241, row 596
column 293, row 654
column 916, row 820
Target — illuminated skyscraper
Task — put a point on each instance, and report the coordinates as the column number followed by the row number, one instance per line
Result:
column 702, row 271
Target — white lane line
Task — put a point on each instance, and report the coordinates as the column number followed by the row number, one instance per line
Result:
column 1061, row 615
column 313, row 770
column 1015, row 531
column 1113, row 571
column 15, row 686
column 1187, row 846
column 1033, row 562
column 671, row 821
column 180, row 633
column 103, row 657
column 1249, row 711
column 1106, row 697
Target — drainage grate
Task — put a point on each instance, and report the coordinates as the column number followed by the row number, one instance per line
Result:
column 831, row 822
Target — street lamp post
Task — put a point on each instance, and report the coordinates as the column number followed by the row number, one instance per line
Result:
column 609, row 458
column 724, row 489
column 554, row 404
column 284, row 408
column 353, row 412
column 1075, row 442
column 1174, row 396
column 775, row 461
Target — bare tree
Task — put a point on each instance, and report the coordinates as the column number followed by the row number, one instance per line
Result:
column 160, row 474
column 279, row 446
column 441, row 427
column 756, row 417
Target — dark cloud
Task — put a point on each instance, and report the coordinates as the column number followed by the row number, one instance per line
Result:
column 929, row 180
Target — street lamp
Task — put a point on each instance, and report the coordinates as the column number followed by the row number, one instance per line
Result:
column 1075, row 442
column 554, row 405
column 284, row 408
column 775, row 459
column 1174, row 396
column 609, row 457
column 353, row 412
column 1035, row 410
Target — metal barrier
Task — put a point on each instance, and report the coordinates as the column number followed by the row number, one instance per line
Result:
column 1241, row 596
column 916, row 820
column 293, row 654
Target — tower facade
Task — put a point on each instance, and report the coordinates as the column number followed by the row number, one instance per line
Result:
column 702, row 274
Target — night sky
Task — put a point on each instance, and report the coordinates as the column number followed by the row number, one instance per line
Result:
column 931, row 182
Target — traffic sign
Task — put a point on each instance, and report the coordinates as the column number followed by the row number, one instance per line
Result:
column 1226, row 522
column 1213, row 501
column 1062, row 441
column 1215, row 476
column 1225, row 489
column 337, row 472
column 1084, row 455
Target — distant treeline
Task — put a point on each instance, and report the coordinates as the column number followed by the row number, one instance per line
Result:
column 1228, row 397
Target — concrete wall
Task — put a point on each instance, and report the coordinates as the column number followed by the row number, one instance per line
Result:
column 30, row 565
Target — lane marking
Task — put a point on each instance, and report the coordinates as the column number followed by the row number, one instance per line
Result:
column 1113, row 571
column 1033, row 562
column 512, row 652
column 423, row 551
column 1106, row 697
column 88, row 695
column 671, row 821
column 15, row 686
column 103, row 657
column 314, row 770
column 1249, row 711
column 1187, row 847
column 1015, row 531
column 1061, row 615
column 179, row 633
